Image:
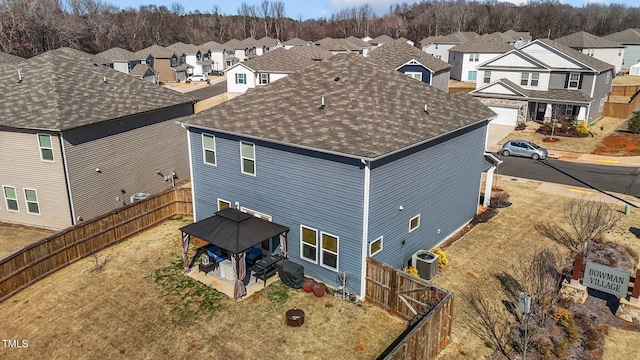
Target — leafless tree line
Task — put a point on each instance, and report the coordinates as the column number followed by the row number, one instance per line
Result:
column 30, row 27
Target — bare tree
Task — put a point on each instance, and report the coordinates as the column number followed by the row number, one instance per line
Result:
column 489, row 321
column 586, row 221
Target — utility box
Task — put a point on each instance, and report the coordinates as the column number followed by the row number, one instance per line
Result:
column 426, row 262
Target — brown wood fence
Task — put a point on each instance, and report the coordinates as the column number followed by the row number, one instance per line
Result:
column 37, row 260
column 622, row 101
column 410, row 298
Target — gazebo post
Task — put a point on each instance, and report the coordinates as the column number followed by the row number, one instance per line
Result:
column 283, row 245
column 186, row 239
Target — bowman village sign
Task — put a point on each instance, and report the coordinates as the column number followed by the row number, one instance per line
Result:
column 606, row 279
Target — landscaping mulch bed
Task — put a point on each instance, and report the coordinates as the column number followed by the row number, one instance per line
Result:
column 619, row 144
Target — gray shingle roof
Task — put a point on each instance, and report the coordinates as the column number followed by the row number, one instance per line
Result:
column 398, row 53
column 629, row 36
column 296, row 42
column 515, row 35
column 382, row 39
column 60, row 91
column 370, row 111
column 234, row 44
column 118, row 54
column 584, row 40
column 181, row 48
column 278, row 60
column 141, row 70
column 312, row 52
column 212, row 45
column 266, row 41
column 552, row 94
column 488, row 43
column 590, row 61
column 10, row 59
column 453, row 38
column 332, row 44
column 358, row 42
column 156, row 51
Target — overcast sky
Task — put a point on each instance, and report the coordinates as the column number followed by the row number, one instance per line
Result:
column 311, row 9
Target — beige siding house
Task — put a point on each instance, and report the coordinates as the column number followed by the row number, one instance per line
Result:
column 79, row 149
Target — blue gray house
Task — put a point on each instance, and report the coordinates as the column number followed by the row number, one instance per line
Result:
column 355, row 159
column 630, row 38
column 413, row 62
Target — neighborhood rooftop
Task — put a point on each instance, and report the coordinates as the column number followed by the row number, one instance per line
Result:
column 397, row 54
column 589, row 61
column 118, row 54
column 357, row 118
column 279, row 60
column 629, row 36
column 583, row 39
column 10, row 59
column 38, row 97
column 488, row 43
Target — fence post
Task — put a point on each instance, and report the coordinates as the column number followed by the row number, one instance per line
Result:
column 636, row 289
column 578, row 265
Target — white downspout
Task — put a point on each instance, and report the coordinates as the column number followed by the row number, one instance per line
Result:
column 365, row 227
column 66, row 176
column 193, row 190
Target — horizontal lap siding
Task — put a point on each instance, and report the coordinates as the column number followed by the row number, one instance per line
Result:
column 129, row 155
column 441, row 183
column 294, row 187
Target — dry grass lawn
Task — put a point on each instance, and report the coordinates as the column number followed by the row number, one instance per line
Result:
column 13, row 237
column 495, row 246
column 142, row 307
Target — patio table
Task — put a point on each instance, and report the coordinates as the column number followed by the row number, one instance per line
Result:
column 266, row 267
column 226, row 270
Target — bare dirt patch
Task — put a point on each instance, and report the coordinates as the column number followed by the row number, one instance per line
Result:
column 619, row 144
column 13, row 237
column 141, row 306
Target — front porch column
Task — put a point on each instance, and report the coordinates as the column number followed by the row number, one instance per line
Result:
column 186, row 239
column 582, row 114
column 548, row 112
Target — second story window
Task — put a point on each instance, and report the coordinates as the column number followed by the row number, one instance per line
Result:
column 46, row 149
column 534, row 79
column 529, row 79
column 240, row 79
column 474, row 57
column 264, row 78
column 248, row 158
column 174, row 61
column 573, row 81
column 590, row 52
column 209, row 149
column 487, row 76
column 524, row 79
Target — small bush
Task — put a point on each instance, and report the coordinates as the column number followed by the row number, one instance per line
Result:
column 582, row 127
column 412, row 270
column 544, row 347
column 500, row 199
column 634, row 123
column 442, row 257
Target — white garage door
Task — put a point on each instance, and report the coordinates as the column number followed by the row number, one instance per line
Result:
column 506, row 116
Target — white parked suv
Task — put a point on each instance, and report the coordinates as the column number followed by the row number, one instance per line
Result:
column 197, row 78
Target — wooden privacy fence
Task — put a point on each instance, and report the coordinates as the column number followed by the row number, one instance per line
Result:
column 621, row 101
column 430, row 307
column 46, row 256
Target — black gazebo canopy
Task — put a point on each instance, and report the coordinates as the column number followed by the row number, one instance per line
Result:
column 233, row 230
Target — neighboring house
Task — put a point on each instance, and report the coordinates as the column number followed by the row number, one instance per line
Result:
column 188, row 54
column 295, row 42
column 630, row 38
column 464, row 58
column 544, row 80
column 161, row 60
column 343, row 46
column 271, row 66
column 120, row 59
column 517, row 38
column 144, row 72
column 266, row 44
column 344, row 154
column 439, row 46
column 234, row 52
column 600, row 48
column 405, row 40
column 214, row 53
column 81, row 145
column 380, row 40
column 413, row 62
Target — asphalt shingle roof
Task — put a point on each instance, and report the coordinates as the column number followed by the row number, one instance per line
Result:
column 156, row 51
column 234, row 44
column 584, row 40
column 397, row 54
column 311, row 51
column 182, row 48
column 266, row 41
column 118, row 54
column 370, row 111
column 61, row 90
column 278, row 60
column 551, row 94
column 515, row 35
column 453, row 38
column 590, row 61
column 382, row 39
column 10, row 59
column 332, row 44
column 141, row 69
column 296, row 42
column 488, row 43
column 629, row 36
column 212, row 45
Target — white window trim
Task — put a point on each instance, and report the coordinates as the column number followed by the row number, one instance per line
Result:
column 470, row 72
column 302, row 243
column 486, row 79
column 27, row 201
column 568, row 110
column 268, row 78
column 474, row 57
column 329, row 251
column 375, row 241
column 531, row 79
column 410, row 220
column 244, row 78
column 204, row 151
column 255, row 170
column 6, row 200
column 257, row 214
column 576, row 81
column 218, row 201
column 523, row 78
column 412, row 74
column 40, row 147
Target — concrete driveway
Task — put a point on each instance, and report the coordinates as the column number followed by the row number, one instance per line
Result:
column 496, row 134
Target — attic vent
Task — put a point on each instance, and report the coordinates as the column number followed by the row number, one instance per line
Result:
column 337, row 78
column 19, row 76
column 425, row 109
column 104, row 79
column 322, row 104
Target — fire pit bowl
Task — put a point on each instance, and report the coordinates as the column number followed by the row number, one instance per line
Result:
column 295, row 317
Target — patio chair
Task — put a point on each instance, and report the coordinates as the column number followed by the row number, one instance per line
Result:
column 255, row 253
column 215, row 253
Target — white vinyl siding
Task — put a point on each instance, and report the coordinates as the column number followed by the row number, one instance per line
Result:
column 248, row 158
column 329, row 251
column 31, row 198
column 10, row 198
column 309, row 244
column 375, row 246
column 46, row 148
column 209, row 149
